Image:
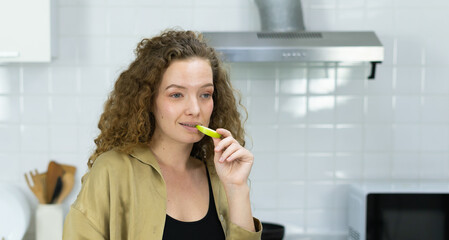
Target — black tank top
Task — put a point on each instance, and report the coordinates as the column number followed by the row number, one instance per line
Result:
column 208, row 227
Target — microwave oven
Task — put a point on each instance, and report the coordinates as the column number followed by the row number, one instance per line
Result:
column 398, row 211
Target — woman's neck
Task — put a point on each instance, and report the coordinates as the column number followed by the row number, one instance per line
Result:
column 171, row 154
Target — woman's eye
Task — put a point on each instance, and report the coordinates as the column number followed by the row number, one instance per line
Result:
column 206, row 95
column 175, row 95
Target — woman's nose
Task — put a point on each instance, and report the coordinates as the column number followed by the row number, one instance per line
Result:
column 193, row 107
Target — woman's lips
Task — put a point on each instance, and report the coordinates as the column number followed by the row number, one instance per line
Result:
column 191, row 126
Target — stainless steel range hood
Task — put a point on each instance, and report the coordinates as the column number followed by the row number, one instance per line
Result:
column 283, row 39
column 297, row 46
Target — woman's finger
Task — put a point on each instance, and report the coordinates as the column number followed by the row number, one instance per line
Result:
column 224, row 132
column 224, row 143
column 232, row 148
column 239, row 154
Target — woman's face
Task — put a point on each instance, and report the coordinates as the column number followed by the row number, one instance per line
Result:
column 184, row 100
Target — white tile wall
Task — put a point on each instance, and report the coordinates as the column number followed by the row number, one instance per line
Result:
column 314, row 128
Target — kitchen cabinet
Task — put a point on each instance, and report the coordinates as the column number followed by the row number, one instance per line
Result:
column 26, row 31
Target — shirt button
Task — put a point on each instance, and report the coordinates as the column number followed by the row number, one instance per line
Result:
column 221, row 217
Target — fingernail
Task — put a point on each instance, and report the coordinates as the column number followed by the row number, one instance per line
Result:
column 221, row 159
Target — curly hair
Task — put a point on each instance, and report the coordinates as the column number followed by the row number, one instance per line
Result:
column 127, row 119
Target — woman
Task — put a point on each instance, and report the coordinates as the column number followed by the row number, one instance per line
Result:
column 153, row 175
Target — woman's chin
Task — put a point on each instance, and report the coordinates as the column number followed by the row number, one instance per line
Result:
column 192, row 139
column 197, row 139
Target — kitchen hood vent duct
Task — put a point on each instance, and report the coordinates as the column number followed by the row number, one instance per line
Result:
column 283, row 39
column 280, row 15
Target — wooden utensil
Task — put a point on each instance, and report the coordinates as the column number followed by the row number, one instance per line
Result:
column 68, row 168
column 68, row 181
column 54, row 172
column 58, row 189
column 39, row 186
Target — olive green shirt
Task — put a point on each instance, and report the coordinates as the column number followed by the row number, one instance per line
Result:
column 124, row 197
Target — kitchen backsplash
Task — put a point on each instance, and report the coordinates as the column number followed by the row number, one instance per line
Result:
column 314, row 128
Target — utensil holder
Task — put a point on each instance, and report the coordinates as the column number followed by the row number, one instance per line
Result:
column 49, row 222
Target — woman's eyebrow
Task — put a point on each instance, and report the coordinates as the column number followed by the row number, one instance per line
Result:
column 182, row 87
column 207, row 85
column 174, row 86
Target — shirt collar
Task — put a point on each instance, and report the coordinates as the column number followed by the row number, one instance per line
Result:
column 145, row 155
